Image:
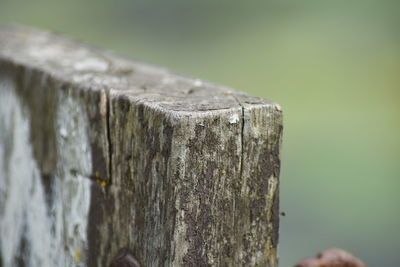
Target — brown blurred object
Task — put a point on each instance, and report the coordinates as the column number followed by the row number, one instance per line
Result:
column 124, row 259
column 332, row 258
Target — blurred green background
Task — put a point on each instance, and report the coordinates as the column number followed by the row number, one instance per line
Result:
column 334, row 66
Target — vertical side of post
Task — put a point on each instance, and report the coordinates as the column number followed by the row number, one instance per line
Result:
column 205, row 185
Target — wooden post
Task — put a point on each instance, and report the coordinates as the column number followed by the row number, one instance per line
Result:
column 100, row 154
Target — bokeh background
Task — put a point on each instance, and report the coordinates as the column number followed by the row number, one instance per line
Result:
column 334, row 66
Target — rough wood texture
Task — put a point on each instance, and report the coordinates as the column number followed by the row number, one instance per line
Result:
column 99, row 153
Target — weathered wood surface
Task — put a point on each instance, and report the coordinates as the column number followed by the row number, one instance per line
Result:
column 99, row 153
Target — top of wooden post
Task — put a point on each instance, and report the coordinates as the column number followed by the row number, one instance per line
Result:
column 86, row 66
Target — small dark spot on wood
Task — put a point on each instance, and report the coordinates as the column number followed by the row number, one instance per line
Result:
column 191, row 91
column 128, row 156
column 73, row 172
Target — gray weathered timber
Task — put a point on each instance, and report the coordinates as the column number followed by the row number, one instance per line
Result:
column 99, row 153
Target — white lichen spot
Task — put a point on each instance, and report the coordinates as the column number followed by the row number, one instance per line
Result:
column 91, row 64
column 63, row 132
column 234, row 118
column 197, row 83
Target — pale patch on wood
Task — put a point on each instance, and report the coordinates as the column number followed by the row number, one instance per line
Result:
column 33, row 230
